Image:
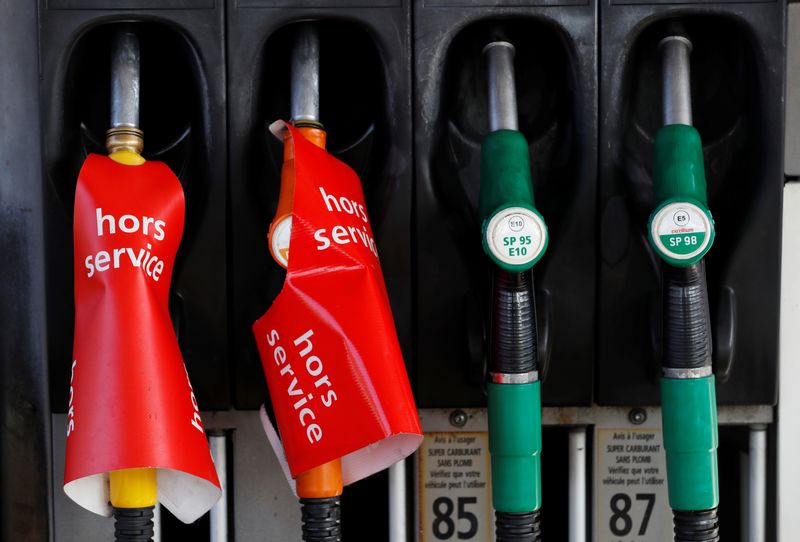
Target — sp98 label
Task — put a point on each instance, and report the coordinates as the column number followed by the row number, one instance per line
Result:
column 681, row 231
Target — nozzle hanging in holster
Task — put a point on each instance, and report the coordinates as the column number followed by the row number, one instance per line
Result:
column 681, row 231
column 124, row 133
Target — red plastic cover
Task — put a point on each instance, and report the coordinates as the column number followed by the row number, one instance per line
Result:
column 328, row 345
column 131, row 404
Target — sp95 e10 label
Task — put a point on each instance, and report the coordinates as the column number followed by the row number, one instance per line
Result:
column 516, row 236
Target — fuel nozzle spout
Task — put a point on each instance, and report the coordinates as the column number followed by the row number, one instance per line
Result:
column 124, row 133
column 305, row 76
column 321, row 487
column 681, row 231
column 514, row 238
column 133, row 492
column 501, row 85
column 304, row 106
column 676, row 74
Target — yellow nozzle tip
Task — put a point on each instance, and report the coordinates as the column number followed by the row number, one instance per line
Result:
column 128, row 158
column 133, row 488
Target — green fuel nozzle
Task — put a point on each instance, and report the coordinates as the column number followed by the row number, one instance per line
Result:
column 681, row 231
column 514, row 237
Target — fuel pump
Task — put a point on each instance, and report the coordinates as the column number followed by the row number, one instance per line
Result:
column 681, row 231
column 134, row 434
column 514, row 239
column 320, row 488
column 133, row 492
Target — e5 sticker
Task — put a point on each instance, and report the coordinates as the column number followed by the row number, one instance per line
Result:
column 681, row 231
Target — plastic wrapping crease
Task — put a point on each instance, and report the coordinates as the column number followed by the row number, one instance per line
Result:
column 334, row 369
column 131, row 402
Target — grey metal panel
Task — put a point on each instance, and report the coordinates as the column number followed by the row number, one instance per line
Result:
column 792, row 140
column 264, row 506
column 24, row 402
column 438, row 419
column 71, row 523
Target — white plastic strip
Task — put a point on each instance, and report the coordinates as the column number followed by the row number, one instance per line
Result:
column 157, row 523
column 757, row 486
column 397, row 502
column 789, row 404
column 218, row 515
column 577, row 484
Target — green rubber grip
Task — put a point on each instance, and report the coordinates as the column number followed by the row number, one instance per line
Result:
column 689, row 417
column 515, row 445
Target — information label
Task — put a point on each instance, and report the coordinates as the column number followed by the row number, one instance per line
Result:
column 681, row 231
column 631, row 503
column 455, row 488
column 516, row 236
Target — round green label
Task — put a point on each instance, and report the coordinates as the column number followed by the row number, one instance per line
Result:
column 515, row 237
column 681, row 232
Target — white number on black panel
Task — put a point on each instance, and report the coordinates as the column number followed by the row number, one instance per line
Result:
column 444, row 526
column 621, row 522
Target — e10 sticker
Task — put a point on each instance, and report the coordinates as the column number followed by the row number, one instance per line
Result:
column 681, row 231
column 516, row 236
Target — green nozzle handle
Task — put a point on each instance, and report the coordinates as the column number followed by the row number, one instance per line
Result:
column 514, row 233
column 515, row 444
column 681, row 229
column 689, row 416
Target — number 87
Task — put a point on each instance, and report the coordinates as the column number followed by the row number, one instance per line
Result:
column 620, row 513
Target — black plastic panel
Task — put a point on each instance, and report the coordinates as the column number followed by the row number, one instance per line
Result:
column 365, row 106
column 556, row 94
column 25, row 454
column 183, row 118
column 737, row 90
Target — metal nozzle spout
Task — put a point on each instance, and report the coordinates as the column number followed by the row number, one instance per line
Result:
column 676, row 73
column 125, row 79
column 124, row 132
column 305, row 75
column 502, row 90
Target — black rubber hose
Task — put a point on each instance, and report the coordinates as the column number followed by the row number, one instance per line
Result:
column 321, row 519
column 513, row 337
column 133, row 524
column 696, row 526
column 518, row 527
column 687, row 324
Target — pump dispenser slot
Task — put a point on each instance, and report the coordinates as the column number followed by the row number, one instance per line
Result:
column 362, row 131
column 554, row 82
column 736, row 88
column 364, row 89
column 182, row 116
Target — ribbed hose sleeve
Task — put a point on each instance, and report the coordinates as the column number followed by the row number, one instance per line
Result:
column 518, row 527
column 513, row 338
column 321, row 519
column 133, row 524
column 687, row 336
column 702, row 526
